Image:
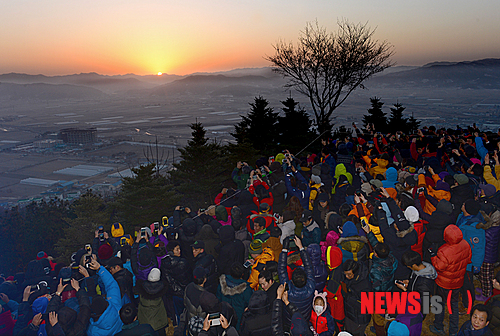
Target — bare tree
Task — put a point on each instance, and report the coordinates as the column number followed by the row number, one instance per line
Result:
column 327, row 67
column 156, row 156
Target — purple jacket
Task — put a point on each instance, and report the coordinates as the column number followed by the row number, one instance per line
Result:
column 320, row 272
column 491, row 225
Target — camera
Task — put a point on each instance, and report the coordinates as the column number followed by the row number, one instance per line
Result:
column 420, row 190
column 214, row 319
column 399, row 282
column 182, row 208
column 88, row 248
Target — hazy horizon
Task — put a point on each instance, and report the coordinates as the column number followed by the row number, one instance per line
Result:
column 146, row 37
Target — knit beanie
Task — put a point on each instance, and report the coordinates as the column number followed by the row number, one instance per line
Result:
column 472, row 207
column 105, row 252
column 398, row 329
column 349, row 229
column 154, row 275
column 411, row 214
column 255, row 247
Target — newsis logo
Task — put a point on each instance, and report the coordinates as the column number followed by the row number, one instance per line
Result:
column 398, row 303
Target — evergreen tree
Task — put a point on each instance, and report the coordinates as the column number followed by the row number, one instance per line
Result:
column 144, row 198
column 259, row 127
column 294, row 128
column 412, row 124
column 199, row 176
column 376, row 116
column 396, row 120
column 90, row 212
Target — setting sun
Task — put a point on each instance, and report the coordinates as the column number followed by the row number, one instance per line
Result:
column 160, row 73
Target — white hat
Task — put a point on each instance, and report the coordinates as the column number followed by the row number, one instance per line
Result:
column 154, row 275
column 411, row 214
column 316, row 179
column 344, row 333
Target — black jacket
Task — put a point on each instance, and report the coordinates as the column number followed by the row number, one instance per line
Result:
column 352, row 295
column 279, row 324
column 207, row 262
column 78, row 323
column 176, row 272
column 230, row 250
column 125, row 281
column 256, row 320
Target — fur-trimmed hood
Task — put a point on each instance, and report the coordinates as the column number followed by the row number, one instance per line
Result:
column 402, row 234
column 489, row 221
column 230, row 286
column 352, row 238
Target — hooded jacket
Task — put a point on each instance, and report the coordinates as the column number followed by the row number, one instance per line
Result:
column 320, row 272
column 353, row 246
column 452, row 259
column 352, row 295
column 475, row 237
column 236, row 292
column 438, row 221
column 423, row 281
column 323, row 321
column 230, row 250
column 109, row 323
column 210, row 238
column 151, row 309
column 391, row 178
column 287, row 229
column 491, row 225
column 382, row 273
column 76, row 323
column 266, row 255
column 257, row 320
column 176, row 272
column 331, row 240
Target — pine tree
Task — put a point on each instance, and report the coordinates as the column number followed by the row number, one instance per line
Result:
column 376, row 116
column 294, row 128
column 199, row 176
column 258, row 127
column 412, row 124
column 144, row 198
column 90, row 212
column 396, row 120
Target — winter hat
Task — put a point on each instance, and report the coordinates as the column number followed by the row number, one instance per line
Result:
column 410, row 180
column 349, row 229
column 145, row 256
column 154, row 275
column 221, row 213
column 316, row 179
column 441, row 185
column 66, row 316
column 344, row 333
column 105, row 252
column 461, row 179
column 397, row 329
column 255, row 247
column 259, row 303
column 333, row 257
column 263, row 207
column 376, row 183
column 411, row 214
column 306, row 215
column 115, row 261
column 489, row 189
column 199, row 272
column 445, row 206
column 189, row 226
column 323, row 197
column 65, row 273
column 279, row 157
column 275, row 166
column 472, row 207
column 98, row 306
column 41, row 255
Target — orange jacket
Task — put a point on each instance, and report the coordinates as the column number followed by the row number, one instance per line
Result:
column 266, row 255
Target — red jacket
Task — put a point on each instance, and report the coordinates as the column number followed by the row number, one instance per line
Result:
column 452, row 258
column 420, row 229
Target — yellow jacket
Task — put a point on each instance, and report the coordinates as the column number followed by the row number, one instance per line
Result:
column 490, row 179
column 266, row 255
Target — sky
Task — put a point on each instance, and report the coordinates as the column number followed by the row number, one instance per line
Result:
column 111, row 37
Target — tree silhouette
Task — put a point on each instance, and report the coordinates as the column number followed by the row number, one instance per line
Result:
column 328, row 67
column 294, row 128
column 376, row 116
column 396, row 120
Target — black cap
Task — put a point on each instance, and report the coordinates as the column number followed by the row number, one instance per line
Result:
column 115, row 261
column 306, row 215
column 199, row 244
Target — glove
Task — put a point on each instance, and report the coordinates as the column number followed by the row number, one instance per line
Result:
column 286, row 243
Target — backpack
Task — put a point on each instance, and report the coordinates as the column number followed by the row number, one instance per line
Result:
column 117, row 230
column 143, row 270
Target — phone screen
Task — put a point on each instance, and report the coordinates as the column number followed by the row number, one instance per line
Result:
column 214, row 319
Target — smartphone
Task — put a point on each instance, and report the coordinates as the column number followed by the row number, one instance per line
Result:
column 143, row 232
column 286, row 287
column 214, row 319
column 88, row 248
column 247, row 264
column 399, row 282
column 101, row 229
column 363, row 223
column 164, row 221
column 420, row 190
column 156, row 226
column 339, row 228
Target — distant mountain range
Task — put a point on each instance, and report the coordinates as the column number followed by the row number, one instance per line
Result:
column 480, row 74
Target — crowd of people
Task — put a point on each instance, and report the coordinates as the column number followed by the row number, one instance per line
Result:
column 292, row 248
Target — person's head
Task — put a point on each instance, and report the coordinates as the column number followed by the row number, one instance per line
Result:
column 128, row 313
column 175, row 247
column 237, row 271
column 198, row 247
column 411, row 259
column 350, row 268
column 98, row 307
column 264, row 207
column 480, row 316
column 114, row 265
column 299, row 277
column 323, row 200
column 259, row 224
column 382, row 250
column 255, row 248
column 199, row 276
column 265, row 280
column 306, row 218
column 471, row 207
column 275, row 232
column 318, row 301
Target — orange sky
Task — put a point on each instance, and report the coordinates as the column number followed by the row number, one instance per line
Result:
column 56, row 37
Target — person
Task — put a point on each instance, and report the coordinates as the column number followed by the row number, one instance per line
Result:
column 423, row 275
column 230, row 249
column 151, row 308
column 321, row 319
column 105, row 312
column 131, row 325
column 192, row 305
column 493, row 304
column 450, row 262
column 234, row 290
column 65, row 320
column 467, row 222
column 123, row 277
column 268, row 284
column 259, row 258
column 311, row 233
column 227, row 329
column 320, row 272
column 491, row 225
column 287, row 225
column 302, row 286
column 6, row 320
column 256, row 320
column 207, row 261
column 355, row 278
column 259, row 226
column 383, row 268
column 352, row 245
column 296, row 325
column 480, row 318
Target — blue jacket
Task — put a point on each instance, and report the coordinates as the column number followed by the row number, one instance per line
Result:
column 109, row 323
column 320, row 272
column 391, row 178
column 300, row 297
column 481, row 150
column 475, row 237
column 311, row 234
column 302, row 195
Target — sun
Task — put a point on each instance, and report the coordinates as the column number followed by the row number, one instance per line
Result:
column 160, row 73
